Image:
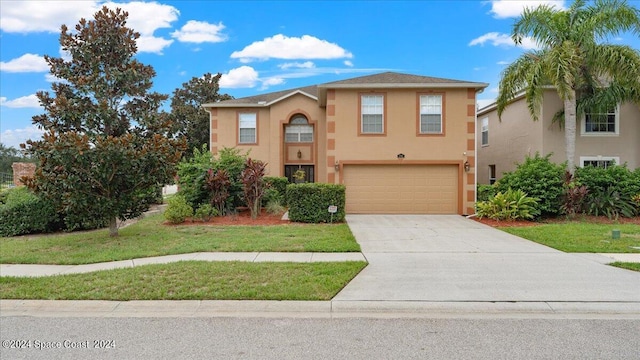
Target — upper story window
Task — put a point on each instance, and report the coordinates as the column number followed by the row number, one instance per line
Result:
column 601, row 123
column 298, row 130
column 247, row 128
column 485, row 131
column 372, row 114
column 430, row 114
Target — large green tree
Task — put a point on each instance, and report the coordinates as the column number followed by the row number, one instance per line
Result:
column 105, row 147
column 190, row 119
column 589, row 74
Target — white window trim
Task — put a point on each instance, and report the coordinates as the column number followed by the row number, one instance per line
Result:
column 362, row 114
column 423, row 132
column 484, row 127
column 583, row 126
column 255, row 128
column 616, row 159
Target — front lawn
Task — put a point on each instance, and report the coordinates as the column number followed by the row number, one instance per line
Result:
column 149, row 237
column 192, row 280
column 582, row 237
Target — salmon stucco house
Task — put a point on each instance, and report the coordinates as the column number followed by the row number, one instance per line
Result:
column 399, row 143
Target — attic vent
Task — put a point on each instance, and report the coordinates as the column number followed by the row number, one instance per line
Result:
column 262, row 102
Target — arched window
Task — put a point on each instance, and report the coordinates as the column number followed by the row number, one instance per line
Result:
column 298, row 130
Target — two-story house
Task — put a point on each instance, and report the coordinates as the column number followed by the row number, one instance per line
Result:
column 601, row 139
column 399, row 143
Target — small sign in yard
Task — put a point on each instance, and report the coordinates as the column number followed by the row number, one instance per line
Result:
column 333, row 209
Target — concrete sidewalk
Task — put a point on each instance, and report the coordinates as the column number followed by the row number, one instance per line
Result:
column 32, row 270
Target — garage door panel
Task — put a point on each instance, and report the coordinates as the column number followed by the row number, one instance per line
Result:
column 401, row 189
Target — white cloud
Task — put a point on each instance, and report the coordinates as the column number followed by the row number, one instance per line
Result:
column 348, row 63
column 242, row 77
column 15, row 137
column 509, row 8
column 498, row 39
column 39, row 16
column 271, row 82
column 503, row 62
column 29, row 101
column 298, row 65
column 48, row 16
column 284, row 47
column 199, row 32
column 25, row 63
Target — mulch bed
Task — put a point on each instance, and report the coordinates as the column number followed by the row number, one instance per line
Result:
column 243, row 217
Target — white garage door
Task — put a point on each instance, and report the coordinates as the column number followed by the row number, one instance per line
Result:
column 401, row 189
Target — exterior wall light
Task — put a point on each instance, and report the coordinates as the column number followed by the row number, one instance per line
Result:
column 467, row 166
column 400, row 156
column 299, row 154
column 337, row 166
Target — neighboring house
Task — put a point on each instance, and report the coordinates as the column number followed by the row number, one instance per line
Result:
column 601, row 139
column 398, row 142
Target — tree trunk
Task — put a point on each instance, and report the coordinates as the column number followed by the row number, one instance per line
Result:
column 113, row 227
column 570, row 131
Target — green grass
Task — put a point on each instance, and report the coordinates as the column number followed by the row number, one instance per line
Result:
column 192, row 280
column 149, row 237
column 582, row 236
column 627, row 265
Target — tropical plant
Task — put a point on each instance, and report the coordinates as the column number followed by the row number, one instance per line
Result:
column 254, row 185
column 217, row 183
column 589, row 75
column 512, row 205
column 574, row 198
column 609, row 203
column 105, row 148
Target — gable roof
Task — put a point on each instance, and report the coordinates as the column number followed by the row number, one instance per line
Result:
column 377, row 81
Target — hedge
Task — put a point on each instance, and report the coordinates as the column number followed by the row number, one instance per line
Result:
column 309, row 203
column 26, row 213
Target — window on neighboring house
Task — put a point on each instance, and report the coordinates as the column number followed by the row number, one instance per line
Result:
column 601, row 123
column 247, row 128
column 431, row 114
column 298, row 130
column 485, row 131
column 372, row 112
column 492, row 174
column 599, row 161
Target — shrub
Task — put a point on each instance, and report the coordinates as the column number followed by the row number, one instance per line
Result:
column 615, row 183
column 205, row 212
column 233, row 162
column 191, row 176
column 309, row 202
column 178, row 210
column 253, row 185
column 486, row 192
column 512, row 205
column 23, row 212
column 539, row 178
column 276, row 188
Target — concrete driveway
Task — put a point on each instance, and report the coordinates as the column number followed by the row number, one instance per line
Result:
column 446, row 258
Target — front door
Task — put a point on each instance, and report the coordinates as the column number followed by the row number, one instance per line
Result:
column 289, row 170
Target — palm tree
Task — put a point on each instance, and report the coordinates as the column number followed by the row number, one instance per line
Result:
column 588, row 74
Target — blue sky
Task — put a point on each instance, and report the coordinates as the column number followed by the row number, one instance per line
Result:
column 264, row 46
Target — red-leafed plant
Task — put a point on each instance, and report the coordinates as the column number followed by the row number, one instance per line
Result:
column 217, row 182
column 254, row 185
